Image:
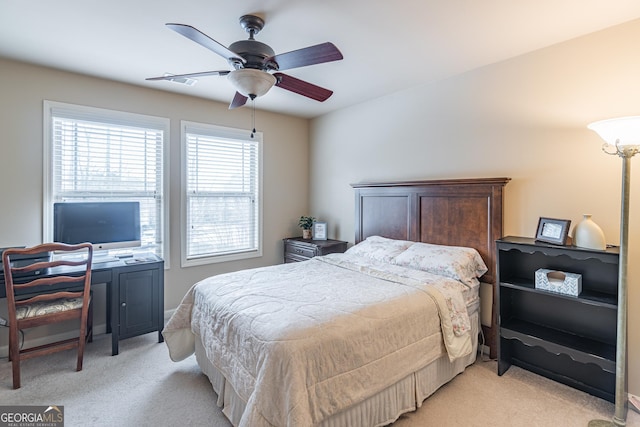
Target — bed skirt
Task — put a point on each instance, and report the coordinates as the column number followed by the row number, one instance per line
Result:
column 380, row 409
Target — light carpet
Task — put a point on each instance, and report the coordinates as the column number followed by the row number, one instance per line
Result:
column 142, row 387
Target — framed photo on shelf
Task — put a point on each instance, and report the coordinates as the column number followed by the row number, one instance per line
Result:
column 319, row 231
column 552, row 230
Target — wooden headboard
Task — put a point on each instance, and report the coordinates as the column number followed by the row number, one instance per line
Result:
column 454, row 212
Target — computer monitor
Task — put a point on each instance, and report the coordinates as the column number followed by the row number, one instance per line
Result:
column 106, row 225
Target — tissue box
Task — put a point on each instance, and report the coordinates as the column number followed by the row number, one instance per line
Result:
column 559, row 282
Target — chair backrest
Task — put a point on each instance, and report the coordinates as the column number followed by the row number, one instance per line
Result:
column 31, row 279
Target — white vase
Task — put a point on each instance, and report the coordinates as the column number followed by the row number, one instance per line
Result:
column 588, row 234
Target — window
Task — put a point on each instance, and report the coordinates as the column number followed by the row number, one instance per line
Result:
column 102, row 155
column 222, row 212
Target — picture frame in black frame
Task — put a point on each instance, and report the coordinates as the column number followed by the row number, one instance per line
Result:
column 553, row 230
column 319, row 230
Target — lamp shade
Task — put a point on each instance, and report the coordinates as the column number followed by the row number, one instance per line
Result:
column 251, row 82
column 623, row 130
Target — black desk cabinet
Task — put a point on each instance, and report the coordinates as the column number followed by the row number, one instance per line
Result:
column 137, row 295
column 298, row 249
column 569, row 339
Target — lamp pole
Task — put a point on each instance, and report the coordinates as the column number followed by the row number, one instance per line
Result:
column 626, row 152
column 620, row 414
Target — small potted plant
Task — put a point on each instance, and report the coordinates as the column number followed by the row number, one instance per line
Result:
column 306, row 222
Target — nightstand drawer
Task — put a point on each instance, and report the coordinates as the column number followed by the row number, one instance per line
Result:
column 294, row 258
column 298, row 251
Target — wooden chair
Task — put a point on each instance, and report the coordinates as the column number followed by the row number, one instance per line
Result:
column 33, row 299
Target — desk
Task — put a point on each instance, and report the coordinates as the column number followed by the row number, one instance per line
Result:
column 135, row 294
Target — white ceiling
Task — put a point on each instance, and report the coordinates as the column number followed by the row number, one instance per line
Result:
column 387, row 45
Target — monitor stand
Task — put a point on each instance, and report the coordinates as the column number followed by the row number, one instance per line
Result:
column 103, row 257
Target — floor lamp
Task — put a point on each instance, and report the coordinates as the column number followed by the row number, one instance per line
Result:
column 622, row 138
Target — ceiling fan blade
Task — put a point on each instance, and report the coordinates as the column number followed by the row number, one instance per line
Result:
column 325, row 52
column 238, row 101
column 204, row 40
column 302, row 88
column 189, row 75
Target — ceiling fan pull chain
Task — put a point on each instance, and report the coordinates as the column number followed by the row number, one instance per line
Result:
column 253, row 116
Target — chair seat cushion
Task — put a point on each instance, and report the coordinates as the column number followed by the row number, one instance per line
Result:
column 48, row 307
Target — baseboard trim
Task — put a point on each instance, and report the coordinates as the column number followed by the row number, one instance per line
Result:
column 33, row 342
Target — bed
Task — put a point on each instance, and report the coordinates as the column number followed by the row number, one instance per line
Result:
column 356, row 338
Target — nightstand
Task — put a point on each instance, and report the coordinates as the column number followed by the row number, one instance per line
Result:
column 298, row 249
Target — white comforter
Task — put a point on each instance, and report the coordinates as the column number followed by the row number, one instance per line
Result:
column 299, row 342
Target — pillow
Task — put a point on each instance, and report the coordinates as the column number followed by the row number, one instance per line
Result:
column 462, row 264
column 379, row 248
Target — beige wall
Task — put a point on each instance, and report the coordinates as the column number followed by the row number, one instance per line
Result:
column 22, row 91
column 524, row 118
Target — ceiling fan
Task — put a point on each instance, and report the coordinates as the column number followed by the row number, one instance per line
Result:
column 256, row 67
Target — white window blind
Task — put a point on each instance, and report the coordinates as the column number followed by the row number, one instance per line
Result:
column 222, row 193
column 102, row 155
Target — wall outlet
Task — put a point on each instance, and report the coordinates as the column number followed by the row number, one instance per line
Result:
column 3, row 321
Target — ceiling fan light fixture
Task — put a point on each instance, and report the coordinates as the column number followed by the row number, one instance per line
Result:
column 251, row 82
